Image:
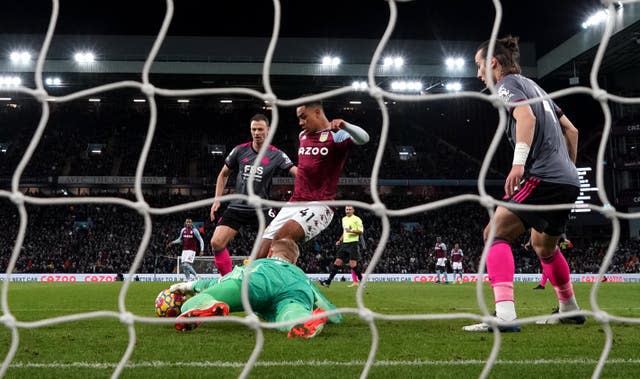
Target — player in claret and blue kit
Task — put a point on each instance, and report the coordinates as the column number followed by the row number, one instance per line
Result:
column 323, row 150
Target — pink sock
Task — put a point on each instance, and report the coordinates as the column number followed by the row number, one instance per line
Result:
column 223, row 261
column 543, row 279
column 501, row 269
column 555, row 267
column 354, row 277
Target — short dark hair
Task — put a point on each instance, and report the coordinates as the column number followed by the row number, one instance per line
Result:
column 507, row 52
column 260, row 117
column 312, row 103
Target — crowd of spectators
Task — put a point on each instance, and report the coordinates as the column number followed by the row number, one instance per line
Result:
column 104, row 238
column 180, row 147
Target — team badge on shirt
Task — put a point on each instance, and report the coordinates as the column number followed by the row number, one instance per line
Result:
column 324, row 136
column 504, row 93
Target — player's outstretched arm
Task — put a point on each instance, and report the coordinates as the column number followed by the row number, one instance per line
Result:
column 358, row 135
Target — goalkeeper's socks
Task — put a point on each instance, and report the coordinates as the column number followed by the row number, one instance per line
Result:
column 354, row 277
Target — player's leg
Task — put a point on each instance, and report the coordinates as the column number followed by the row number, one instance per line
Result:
column 299, row 303
column 263, row 251
column 543, row 281
column 290, row 230
column 189, row 272
column 222, row 235
column 501, row 267
column 335, row 267
column 354, row 277
column 444, row 273
column 354, row 257
column 321, row 301
column 457, row 274
column 556, row 268
column 441, row 272
column 216, row 300
column 355, row 269
column 283, row 226
column 500, row 262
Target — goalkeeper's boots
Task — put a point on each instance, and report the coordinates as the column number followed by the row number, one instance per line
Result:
column 310, row 328
column 216, row 308
column 185, row 288
column 577, row 320
column 325, row 283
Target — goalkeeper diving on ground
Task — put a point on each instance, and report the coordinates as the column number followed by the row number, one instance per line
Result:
column 278, row 291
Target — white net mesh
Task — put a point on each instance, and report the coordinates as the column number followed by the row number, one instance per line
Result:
column 378, row 207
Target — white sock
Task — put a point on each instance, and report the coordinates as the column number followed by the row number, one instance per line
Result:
column 569, row 305
column 506, row 310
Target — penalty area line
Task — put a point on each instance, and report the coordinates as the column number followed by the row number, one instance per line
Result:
column 312, row 363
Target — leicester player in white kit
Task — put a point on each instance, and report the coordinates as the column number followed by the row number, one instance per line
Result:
column 322, row 152
column 543, row 172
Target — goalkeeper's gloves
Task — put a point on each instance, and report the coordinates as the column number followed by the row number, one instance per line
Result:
column 185, row 288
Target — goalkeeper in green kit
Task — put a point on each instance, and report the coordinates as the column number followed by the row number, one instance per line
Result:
column 278, row 291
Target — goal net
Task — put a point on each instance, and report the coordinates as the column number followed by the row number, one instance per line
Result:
column 204, row 264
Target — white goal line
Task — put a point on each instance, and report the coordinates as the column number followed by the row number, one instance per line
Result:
column 315, row 363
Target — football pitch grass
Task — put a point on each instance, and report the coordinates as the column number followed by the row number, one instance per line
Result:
column 407, row 349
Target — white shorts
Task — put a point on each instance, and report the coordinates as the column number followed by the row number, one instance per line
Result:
column 313, row 218
column 188, row 256
column 441, row 262
column 456, row 265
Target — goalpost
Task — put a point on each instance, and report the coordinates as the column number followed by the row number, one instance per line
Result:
column 150, row 91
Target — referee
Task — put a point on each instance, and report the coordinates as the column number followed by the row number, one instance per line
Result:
column 348, row 245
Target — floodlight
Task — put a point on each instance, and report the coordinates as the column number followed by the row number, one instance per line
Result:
column 596, row 18
column 454, row 86
column 53, row 81
column 360, row 85
column 20, row 57
column 84, row 57
column 10, row 81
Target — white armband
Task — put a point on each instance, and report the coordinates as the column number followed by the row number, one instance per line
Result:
column 520, row 153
